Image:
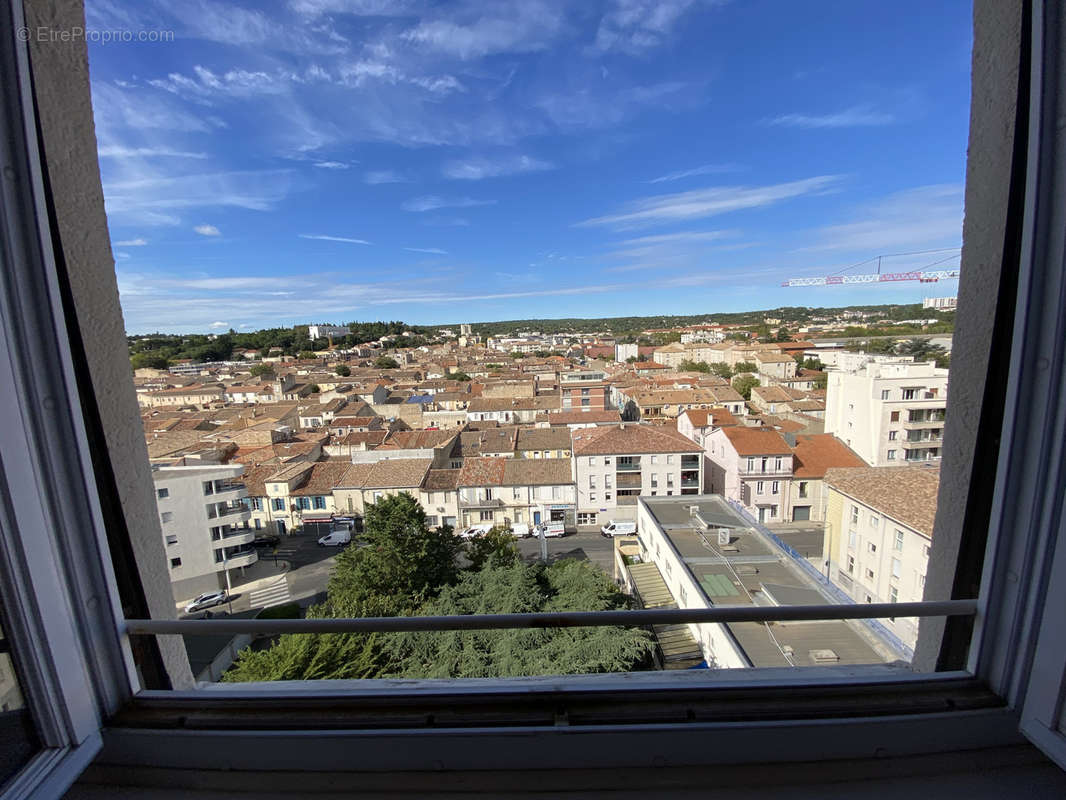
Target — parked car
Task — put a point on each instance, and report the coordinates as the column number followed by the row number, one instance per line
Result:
column 520, row 530
column 267, row 542
column 335, row 539
column 613, row 528
column 207, row 600
column 474, row 531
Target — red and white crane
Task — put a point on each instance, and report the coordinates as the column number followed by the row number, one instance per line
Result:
column 923, row 275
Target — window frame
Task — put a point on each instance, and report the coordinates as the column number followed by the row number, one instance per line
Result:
column 849, row 735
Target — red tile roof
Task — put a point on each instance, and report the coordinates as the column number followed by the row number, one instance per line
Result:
column 815, row 454
column 630, row 438
column 756, row 441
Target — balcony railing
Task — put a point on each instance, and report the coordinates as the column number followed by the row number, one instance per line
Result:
column 628, row 466
column 688, row 483
column 630, row 480
column 233, row 510
column 626, row 500
column 916, row 444
column 484, row 502
column 239, row 560
column 230, row 487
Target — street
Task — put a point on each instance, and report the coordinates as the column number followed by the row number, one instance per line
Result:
column 591, row 546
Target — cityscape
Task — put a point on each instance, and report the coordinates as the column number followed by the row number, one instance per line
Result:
column 770, row 463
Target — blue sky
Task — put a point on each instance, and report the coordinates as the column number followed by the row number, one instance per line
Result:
column 329, row 160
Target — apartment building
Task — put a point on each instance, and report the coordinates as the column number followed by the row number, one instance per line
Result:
column 543, row 443
column 504, row 491
column 363, row 484
column 890, row 414
column 205, row 526
column 585, row 390
column 292, row 496
column 615, row 465
column 439, row 496
column 752, row 466
column 879, row 528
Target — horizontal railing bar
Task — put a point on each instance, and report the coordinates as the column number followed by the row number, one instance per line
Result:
column 564, row 619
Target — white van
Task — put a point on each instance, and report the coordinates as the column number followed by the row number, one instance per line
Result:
column 613, row 528
column 335, row 539
column 520, row 530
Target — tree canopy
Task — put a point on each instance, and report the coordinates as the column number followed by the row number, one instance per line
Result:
column 744, row 384
column 386, row 362
column 407, row 568
column 343, row 370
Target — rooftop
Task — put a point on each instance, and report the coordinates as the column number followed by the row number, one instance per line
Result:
column 630, row 438
column 748, row 441
column 907, row 494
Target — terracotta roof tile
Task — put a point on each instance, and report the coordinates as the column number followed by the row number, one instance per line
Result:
column 756, row 441
column 482, row 472
column 630, row 438
column 815, row 454
column 907, row 494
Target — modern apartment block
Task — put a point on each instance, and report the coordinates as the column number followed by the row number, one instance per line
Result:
column 613, row 466
column 205, row 526
column 879, row 528
column 752, row 466
column 890, row 414
column 586, row 390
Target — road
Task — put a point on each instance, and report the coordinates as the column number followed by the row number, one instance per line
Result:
column 588, row 546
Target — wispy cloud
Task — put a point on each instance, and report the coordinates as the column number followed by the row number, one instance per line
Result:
column 709, row 202
column 207, row 230
column 324, row 238
column 633, row 26
column 478, row 30
column 432, row 250
column 331, row 165
column 926, row 216
column 217, row 325
column 475, row 169
column 132, row 243
column 116, row 151
column 680, row 237
column 431, row 202
column 706, row 169
column 379, row 176
column 856, row 116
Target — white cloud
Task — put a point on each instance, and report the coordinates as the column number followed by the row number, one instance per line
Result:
column 218, row 325
column 331, row 165
column 207, row 230
column 431, row 202
column 116, row 151
column 633, row 26
column 856, row 116
column 521, row 26
column 132, row 243
column 333, row 238
column 709, row 202
column 706, row 169
column 433, row 250
column 474, row 169
column 683, row 236
column 926, row 216
column 383, row 176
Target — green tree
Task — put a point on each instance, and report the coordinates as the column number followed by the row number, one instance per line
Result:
column 306, row 355
column 386, row 362
column 516, row 355
column 745, row 366
column 343, row 370
column 151, row 359
column 261, row 370
column 721, row 369
column 920, row 349
column 315, row 388
column 460, row 376
column 694, row 366
column 567, row 585
column 495, row 548
column 744, row 384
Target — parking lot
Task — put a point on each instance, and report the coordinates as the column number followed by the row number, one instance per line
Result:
column 590, row 546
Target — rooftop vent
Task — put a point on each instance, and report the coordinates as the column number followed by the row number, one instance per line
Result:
column 823, row 656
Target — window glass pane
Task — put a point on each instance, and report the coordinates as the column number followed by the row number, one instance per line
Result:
column 18, row 738
column 571, row 193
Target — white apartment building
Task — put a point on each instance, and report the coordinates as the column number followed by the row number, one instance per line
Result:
column 614, row 465
column 890, row 414
column 941, row 303
column 879, row 528
column 325, row 331
column 205, row 526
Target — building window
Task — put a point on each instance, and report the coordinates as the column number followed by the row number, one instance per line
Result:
column 162, row 493
column 910, row 394
column 654, row 480
column 803, row 489
column 851, row 564
column 258, row 524
column 175, row 562
column 751, row 465
column 592, row 481
column 777, row 464
column 884, row 394
column 890, row 455
column 303, row 503
column 892, row 435
column 921, row 582
column 172, row 539
column 654, row 459
column 759, row 487
column 209, row 488
column 669, row 459
column 853, row 540
column 278, row 504
column 869, row 574
column 592, row 497
column 898, row 545
column 319, row 502
column 873, row 547
column 592, row 461
column 607, row 460
column 874, row 520
column 167, row 516
column 775, row 487
column 854, row 515
column 606, row 481
column 894, row 416
column 586, row 518
column 486, row 516
column 607, row 495
column 895, row 567
column 257, row 504
column 893, row 594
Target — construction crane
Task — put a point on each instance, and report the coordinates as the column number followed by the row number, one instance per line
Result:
column 877, row 277
column 923, row 274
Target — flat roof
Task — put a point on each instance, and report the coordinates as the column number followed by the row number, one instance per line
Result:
column 751, row 570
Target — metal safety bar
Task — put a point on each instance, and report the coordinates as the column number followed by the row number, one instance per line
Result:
column 566, row 619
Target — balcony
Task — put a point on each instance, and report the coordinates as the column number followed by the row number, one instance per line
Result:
column 234, row 513
column 688, row 483
column 239, row 560
column 484, row 502
column 690, row 462
column 921, row 444
column 630, row 465
column 237, row 489
column 239, row 536
column 630, row 480
column 626, row 500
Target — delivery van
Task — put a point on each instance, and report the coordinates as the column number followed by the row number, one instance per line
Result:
column 335, row 539
column 613, row 528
